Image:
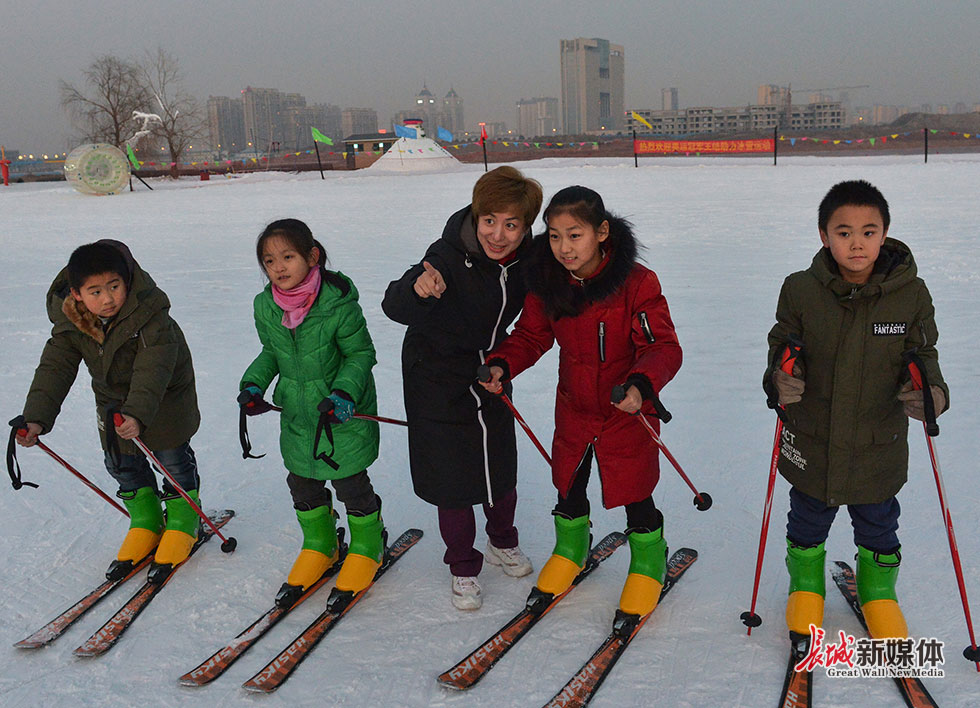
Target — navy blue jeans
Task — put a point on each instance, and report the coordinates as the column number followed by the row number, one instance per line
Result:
column 875, row 525
column 133, row 471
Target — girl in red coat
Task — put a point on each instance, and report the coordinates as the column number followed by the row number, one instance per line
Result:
column 607, row 312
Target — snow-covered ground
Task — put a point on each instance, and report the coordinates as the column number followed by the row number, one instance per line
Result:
column 721, row 234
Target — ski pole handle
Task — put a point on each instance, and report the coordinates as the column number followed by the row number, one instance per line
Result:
column 619, row 393
column 921, row 383
column 792, row 352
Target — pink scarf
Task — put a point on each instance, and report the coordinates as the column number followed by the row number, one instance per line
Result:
column 298, row 301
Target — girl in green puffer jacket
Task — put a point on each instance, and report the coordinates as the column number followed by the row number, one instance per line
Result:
column 315, row 339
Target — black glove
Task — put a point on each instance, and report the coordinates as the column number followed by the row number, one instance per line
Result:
column 251, row 401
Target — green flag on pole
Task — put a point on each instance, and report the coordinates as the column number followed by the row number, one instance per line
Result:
column 132, row 157
column 320, row 137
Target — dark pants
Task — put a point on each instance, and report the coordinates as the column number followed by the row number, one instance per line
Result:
column 354, row 492
column 133, row 471
column 639, row 515
column 458, row 530
column 875, row 525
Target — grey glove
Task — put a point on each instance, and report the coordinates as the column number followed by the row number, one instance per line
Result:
column 790, row 388
column 912, row 404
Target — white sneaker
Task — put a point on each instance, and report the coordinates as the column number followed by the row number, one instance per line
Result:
column 511, row 560
column 466, row 593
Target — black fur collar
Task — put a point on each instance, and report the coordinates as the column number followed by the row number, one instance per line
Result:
column 562, row 294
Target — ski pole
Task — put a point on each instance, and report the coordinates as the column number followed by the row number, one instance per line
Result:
column 793, row 350
column 702, row 500
column 483, row 374
column 931, row 428
column 228, row 544
column 19, row 428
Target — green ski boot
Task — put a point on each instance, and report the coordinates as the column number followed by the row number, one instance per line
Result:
column 648, row 570
column 145, row 527
column 877, row 574
column 807, row 586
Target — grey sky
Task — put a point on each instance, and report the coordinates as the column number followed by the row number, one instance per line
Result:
column 377, row 54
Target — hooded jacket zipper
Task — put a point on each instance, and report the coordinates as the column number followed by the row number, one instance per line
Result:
column 483, row 360
column 602, row 341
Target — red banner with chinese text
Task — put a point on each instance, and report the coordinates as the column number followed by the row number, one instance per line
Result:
column 720, row 146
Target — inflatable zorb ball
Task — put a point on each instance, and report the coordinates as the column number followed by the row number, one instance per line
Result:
column 97, row 168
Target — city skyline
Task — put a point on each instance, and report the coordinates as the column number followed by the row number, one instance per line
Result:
column 379, row 55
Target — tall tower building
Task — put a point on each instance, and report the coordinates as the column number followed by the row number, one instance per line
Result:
column 537, row 117
column 358, row 121
column 263, row 124
column 226, row 124
column 592, row 85
column 452, row 110
column 668, row 99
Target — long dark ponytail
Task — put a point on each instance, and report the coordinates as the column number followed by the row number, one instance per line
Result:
column 298, row 235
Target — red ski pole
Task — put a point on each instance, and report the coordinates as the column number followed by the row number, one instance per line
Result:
column 972, row 653
column 702, row 500
column 228, row 544
column 483, row 374
column 750, row 619
column 363, row 416
column 21, row 432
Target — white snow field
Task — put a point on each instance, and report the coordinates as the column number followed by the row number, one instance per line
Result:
column 721, row 233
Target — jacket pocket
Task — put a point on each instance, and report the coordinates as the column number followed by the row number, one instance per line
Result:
column 645, row 327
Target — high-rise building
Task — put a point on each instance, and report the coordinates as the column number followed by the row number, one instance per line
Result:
column 358, row 121
column 668, row 99
column 537, row 117
column 298, row 120
column 772, row 95
column 452, row 113
column 226, row 124
column 592, row 85
column 263, row 123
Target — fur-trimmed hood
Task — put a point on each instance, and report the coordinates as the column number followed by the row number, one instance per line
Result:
column 64, row 309
column 563, row 294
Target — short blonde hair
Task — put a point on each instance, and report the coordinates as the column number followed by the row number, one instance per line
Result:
column 504, row 188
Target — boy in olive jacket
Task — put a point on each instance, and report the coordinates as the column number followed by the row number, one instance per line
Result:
column 856, row 310
column 108, row 311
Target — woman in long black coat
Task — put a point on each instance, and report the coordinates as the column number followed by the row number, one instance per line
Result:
column 458, row 303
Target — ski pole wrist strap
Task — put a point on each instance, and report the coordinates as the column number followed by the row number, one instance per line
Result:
column 243, row 435
column 13, row 467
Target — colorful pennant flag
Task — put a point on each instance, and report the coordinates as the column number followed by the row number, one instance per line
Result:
column 320, row 137
column 132, row 157
column 402, row 132
column 641, row 119
column 444, row 134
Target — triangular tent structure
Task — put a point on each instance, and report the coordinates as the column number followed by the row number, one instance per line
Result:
column 419, row 154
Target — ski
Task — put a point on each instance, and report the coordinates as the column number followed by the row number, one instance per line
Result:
column 219, row 662
column 798, row 685
column 275, row 673
column 912, row 689
column 107, row 636
column 478, row 663
column 581, row 688
column 60, row 624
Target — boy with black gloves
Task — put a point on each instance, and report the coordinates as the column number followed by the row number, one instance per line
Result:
column 858, row 310
column 108, row 311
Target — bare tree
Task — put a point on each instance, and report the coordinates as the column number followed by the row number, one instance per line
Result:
column 113, row 90
column 181, row 115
